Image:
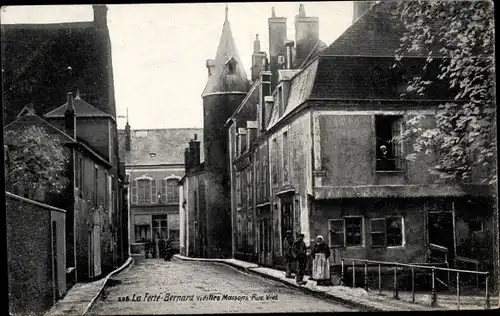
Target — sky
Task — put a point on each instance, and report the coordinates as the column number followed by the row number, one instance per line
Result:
column 159, row 50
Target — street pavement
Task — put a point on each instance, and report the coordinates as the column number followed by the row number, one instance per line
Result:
column 154, row 286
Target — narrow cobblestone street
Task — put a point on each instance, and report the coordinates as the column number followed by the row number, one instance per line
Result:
column 202, row 288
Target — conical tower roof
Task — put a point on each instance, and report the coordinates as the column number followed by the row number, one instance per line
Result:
column 228, row 74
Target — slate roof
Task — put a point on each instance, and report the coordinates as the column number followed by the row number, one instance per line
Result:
column 82, row 109
column 221, row 80
column 168, row 145
column 247, row 110
column 42, row 53
column 30, row 119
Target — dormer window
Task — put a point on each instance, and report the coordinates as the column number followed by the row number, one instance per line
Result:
column 281, row 59
column 231, row 65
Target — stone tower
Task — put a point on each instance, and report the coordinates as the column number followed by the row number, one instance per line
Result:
column 226, row 88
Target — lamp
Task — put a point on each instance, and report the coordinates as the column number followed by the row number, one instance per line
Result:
column 159, row 196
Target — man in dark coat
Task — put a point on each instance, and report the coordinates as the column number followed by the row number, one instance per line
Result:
column 299, row 251
column 168, row 250
column 287, row 250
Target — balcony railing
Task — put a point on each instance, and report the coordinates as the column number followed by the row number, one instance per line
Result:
column 399, row 267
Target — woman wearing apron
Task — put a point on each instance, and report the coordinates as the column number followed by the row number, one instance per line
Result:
column 321, row 264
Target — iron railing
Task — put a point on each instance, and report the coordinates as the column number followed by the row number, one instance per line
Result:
column 412, row 267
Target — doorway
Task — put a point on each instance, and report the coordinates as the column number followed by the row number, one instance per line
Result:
column 442, row 231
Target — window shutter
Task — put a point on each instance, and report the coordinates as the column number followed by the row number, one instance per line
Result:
column 336, row 232
column 170, row 192
column 378, row 232
column 153, row 191
column 397, row 144
column 134, row 192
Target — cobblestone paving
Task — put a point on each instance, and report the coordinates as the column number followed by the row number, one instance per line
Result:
column 201, row 287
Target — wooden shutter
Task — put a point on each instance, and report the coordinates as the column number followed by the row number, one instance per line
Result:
column 397, row 144
column 336, row 232
column 378, row 232
column 153, row 191
column 134, row 192
column 170, row 191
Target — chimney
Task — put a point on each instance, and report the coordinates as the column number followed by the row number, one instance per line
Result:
column 194, row 149
column 100, row 15
column 289, row 46
column 210, row 64
column 277, row 37
column 127, row 135
column 265, row 87
column 70, row 117
column 258, row 59
column 306, row 34
column 187, row 160
column 268, row 106
column 359, row 8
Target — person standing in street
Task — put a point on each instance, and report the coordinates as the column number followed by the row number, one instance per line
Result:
column 321, row 264
column 287, row 248
column 299, row 251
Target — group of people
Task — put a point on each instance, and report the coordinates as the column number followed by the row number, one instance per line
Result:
column 296, row 250
column 159, row 248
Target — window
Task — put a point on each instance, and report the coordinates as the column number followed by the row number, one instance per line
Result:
column 141, row 232
column 275, row 156
column 258, row 168
column 285, row 157
column 387, row 232
column 265, row 174
column 353, row 229
column 389, row 150
column 336, row 232
column 172, row 191
column 144, row 190
column 173, row 227
column 475, row 225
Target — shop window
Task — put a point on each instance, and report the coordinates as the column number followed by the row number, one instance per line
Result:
column 387, row 232
column 141, row 232
column 389, row 149
column 173, row 227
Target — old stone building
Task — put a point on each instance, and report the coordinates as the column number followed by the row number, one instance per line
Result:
column 306, row 155
column 154, row 164
column 41, row 63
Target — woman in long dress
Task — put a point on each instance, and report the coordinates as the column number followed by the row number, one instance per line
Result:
column 321, row 263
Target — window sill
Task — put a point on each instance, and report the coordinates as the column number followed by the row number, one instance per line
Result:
column 389, row 171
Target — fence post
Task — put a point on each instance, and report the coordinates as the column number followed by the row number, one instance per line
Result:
column 379, row 279
column 477, row 275
column 342, row 281
column 396, row 294
column 413, row 284
column 366, row 276
column 458, row 290
column 353, row 274
column 434, row 294
column 487, row 293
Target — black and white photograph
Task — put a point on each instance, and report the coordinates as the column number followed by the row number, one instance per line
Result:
column 250, row 157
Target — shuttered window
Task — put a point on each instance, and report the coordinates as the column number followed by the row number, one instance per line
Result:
column 133, row 197
column 163, row 191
